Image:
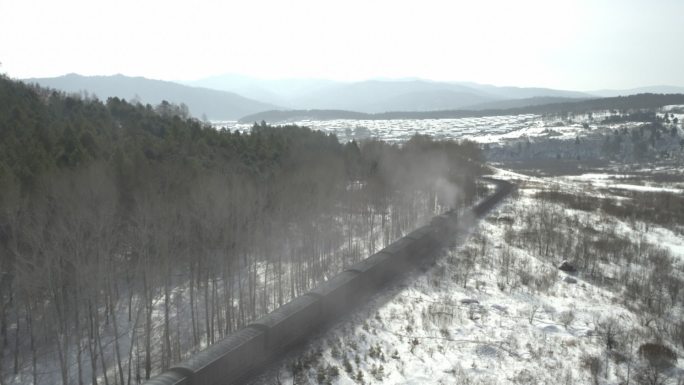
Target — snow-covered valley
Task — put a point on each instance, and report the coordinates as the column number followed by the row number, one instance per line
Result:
column 497, row 310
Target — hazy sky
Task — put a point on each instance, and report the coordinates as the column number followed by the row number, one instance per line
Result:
column 582, row 45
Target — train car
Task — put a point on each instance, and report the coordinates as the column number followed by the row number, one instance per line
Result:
column 228, row 360
column 400, row 251
column 443, row 227
column 339, row 294
column 375, row 271
column 170, row 377
column 423, row 243
column 286, row 325
column 503, row 189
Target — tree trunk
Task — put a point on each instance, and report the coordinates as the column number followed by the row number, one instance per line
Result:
column 16, row 335
column 79, row 349
column 166, row 355
column 193, row 307
column 98, row 338
column 32, row 343
column 207, row 308
column 91, row 344
column 148, row 328
column 133, row 343
column 112, row 308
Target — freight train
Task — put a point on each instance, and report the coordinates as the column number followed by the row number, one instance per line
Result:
column 242, row 354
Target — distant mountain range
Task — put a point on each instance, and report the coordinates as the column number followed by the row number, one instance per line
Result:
column 640, row 90
column 230, row 97
column 279, row 91
column 214, row 104
column 374, row 96
column 575, row 106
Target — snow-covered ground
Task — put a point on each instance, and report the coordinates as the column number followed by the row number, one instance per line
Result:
column 491, row 129
column 488, row 129
column 608, row 181
column 491, row 311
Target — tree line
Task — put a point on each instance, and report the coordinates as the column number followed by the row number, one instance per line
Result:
column 132, row 236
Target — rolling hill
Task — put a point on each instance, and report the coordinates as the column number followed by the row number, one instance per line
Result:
column 375, row 96
column 214, row 104
column 663, row 89
column 554, row 106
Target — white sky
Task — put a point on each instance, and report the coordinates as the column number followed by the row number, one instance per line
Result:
column 581, row 45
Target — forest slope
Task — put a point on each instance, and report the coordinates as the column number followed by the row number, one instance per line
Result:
column 132, row 236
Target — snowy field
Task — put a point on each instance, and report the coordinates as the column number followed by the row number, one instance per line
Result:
column 490, row 129
column 615, row 181
column 497, row 310
column 483, row 130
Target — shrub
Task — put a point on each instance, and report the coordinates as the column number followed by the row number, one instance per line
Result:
column 593, row 365
column 333, row 371
column 347, row 366
column 359, row 377
column 566, row 317
column 525, row 277
column 658, row 355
